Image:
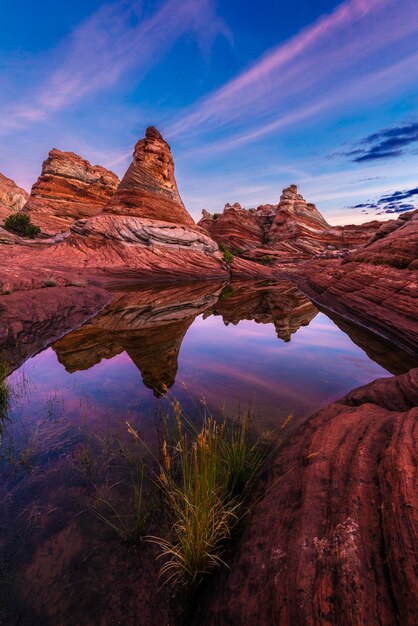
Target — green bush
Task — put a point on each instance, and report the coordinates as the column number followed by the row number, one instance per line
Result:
column 266, row 260
column 20, row 224
column 228, row 256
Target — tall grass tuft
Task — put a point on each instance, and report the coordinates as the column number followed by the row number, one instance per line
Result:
column 205, row 477
column 4, row 391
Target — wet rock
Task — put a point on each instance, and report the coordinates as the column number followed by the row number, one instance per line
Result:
column 332, row 539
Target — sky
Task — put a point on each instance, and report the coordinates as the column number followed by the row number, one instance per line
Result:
column 252, row 96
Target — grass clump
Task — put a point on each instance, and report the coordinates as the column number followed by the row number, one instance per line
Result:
column 20, row 224
column 4, row 391
column 228, row 256
column 266, row 259
column 205, row 476
column 50, row 281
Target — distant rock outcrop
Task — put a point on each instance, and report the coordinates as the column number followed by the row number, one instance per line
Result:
column 12, row 197
column 236, row 228
column 69, row 188
column 394, row 244
column 290, row 230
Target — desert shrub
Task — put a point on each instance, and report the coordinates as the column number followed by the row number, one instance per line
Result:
column 266, row 260
column 4, row 391
column 226, row 293
column 20, row 224
column 228, row 256
column 50, row 281
column 216, row 216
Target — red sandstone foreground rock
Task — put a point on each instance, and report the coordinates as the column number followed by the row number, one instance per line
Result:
column 370, row 287
column 333, row 539
column 290, row 230
column 69, row 188
column 12, row 197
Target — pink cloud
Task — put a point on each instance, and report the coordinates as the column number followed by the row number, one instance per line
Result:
column 114, row 40
column 303, row 75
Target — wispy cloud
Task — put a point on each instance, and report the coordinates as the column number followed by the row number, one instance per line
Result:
column 327, row 63
column 389, row 142
column 117, row 38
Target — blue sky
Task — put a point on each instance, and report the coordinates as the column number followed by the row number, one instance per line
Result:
column 252, row 96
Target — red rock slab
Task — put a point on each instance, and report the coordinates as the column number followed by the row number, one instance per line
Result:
column 395, row 244
column 381, row 299
column 32, row 319
column 333, row 538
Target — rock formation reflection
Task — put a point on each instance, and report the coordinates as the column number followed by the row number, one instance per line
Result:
column 150, row 324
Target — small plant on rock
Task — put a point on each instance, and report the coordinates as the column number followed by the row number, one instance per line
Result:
column 228, row 256
column 266, row 260
column 20, row 224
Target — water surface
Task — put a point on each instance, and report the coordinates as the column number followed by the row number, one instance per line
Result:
column 259, row 347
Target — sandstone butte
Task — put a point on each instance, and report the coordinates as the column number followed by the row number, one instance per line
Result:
column 69, row 188
column 290, row 230
column 332, row 535
column 12, row 197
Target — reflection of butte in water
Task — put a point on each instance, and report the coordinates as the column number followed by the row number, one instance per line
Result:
column 150, row 324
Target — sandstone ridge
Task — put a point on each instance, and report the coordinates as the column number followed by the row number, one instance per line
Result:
column 69, row 188
column 292, row 229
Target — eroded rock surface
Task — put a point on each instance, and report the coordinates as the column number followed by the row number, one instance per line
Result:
column 333, row 538
column 290, row 230
column 69, row 188
column 32, row 320
column 149, row 189
column 394, row 244
column 12, row 197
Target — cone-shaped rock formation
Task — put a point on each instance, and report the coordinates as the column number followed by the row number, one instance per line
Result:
column 149, row 189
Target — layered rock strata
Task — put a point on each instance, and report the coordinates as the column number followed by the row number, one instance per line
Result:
column 144, row 230
column 280, row 304
column 30, row 321
column 376, row 286
column 148, row 324
column 332, row 538
column 69, row 188
column 290, row 230
column 12, row 197
column 149, row 189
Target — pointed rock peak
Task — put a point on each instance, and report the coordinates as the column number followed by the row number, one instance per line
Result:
column 293, row 203
column 152, row 133
column 149, row 189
